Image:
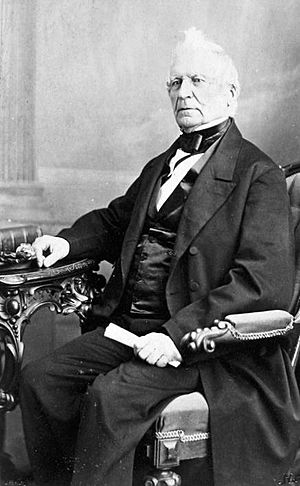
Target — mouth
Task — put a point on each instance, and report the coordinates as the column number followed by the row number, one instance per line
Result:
column 186, row 112
column 186, row 109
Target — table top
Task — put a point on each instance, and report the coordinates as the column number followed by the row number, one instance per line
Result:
column 30, row 273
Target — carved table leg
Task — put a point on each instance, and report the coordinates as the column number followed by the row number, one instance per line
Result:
column 65, row 289
column 20, row 297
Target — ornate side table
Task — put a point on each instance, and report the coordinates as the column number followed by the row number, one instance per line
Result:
column 65, row 288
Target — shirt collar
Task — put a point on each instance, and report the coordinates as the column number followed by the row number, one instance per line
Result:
column 212, row 123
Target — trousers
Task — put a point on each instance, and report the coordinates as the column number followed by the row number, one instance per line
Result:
column 87, row 405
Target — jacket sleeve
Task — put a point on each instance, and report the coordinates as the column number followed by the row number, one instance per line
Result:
column 99, row 234
column 261, row 275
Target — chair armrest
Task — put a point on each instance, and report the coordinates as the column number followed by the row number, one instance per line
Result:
column 252, row 326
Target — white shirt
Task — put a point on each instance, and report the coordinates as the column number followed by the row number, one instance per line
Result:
column 176, row 175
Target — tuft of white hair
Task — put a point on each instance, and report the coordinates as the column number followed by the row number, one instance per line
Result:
column 195, row 40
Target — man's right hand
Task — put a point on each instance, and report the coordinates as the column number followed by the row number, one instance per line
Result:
column 57, row 248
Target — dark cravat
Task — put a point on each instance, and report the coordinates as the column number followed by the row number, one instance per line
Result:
column 167, row 171
column 196, row 143
column 201, row 140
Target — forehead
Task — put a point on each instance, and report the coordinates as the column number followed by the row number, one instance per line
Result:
column 192, row 61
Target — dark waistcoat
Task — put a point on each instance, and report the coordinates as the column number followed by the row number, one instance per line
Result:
column 145, row 290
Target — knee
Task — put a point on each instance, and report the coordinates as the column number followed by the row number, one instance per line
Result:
column 103, row 390
column 97, row 402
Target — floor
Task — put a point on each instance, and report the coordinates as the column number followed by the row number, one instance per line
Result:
column 19, row 482
column 290, row 480
column 11, row 477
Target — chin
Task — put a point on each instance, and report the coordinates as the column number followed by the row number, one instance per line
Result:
column 191, row 127
column 189, row 124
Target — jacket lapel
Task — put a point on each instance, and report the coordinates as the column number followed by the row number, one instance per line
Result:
column 148, row 182
column 211, row 189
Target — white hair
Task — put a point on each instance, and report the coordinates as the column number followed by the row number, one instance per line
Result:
column 195, row 41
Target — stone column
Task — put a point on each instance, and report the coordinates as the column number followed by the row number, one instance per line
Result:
column 21, row 197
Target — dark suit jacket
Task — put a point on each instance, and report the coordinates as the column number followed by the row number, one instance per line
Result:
column 234, row 253
column 234, row 250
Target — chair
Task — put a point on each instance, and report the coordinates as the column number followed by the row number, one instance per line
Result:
column 180, row 438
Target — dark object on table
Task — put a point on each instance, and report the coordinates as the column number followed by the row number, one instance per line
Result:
column 15, row 247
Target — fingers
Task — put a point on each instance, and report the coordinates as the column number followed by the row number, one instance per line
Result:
column 162, row 362
column 50, row 260
column 58, row 248
column 55, row 255
column 144, row 352
column 41, row 245
column 157, row 349
column 38, row 248
column 147, row 351
column 153, row 356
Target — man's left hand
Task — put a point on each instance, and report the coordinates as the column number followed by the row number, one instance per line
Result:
column 157, row 349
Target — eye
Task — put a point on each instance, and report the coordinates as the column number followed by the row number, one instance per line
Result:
column 175, row 83
column 198, row 81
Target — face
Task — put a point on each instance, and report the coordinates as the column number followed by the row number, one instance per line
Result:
column 197, row 91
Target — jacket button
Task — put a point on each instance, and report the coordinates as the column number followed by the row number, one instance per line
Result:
column 194, row 285
column 194, row 250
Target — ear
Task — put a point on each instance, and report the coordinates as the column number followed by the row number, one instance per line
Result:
column 231, row 94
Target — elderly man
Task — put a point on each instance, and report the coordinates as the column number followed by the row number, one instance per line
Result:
column 203, row 232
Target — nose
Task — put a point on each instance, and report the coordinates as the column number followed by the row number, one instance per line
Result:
column 185, row 90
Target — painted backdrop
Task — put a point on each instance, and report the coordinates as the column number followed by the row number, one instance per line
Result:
column 102, row 110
